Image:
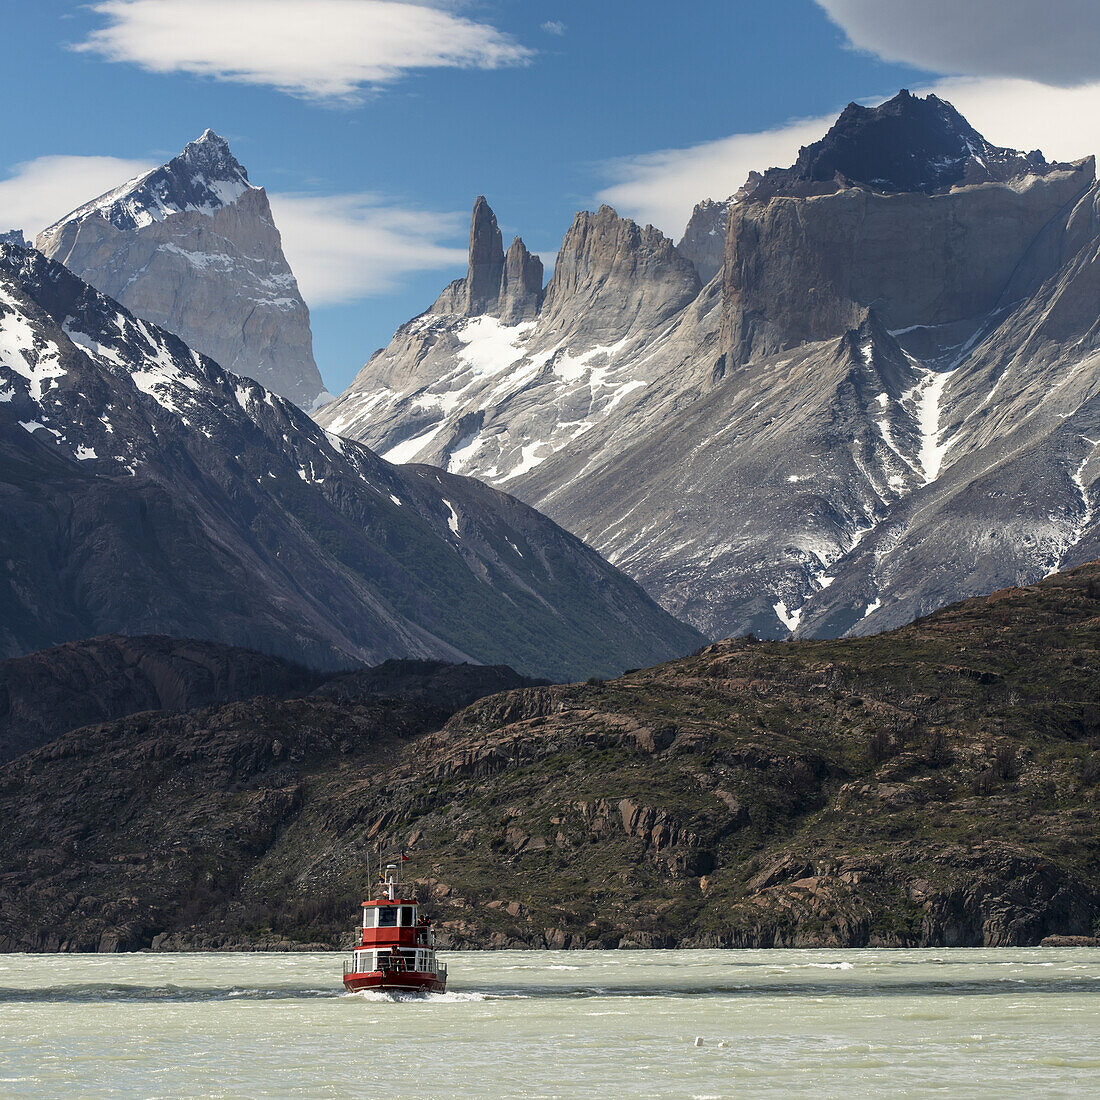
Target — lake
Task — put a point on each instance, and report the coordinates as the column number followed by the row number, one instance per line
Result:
column 606, row 1024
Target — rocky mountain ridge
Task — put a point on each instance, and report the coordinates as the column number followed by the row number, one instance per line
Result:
column 147, row 490
column 883, row 400
column 46, row 694
column 907, row 144
column 934, row 786
column 192, row 246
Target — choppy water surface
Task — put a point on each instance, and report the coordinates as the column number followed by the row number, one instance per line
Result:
column 542, row 1024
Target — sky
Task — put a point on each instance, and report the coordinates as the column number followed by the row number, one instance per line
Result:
column 374, row 124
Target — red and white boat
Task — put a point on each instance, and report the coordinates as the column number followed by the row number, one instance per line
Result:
column 397, row 951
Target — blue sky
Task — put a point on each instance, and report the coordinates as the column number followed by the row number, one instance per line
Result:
column 374, row 154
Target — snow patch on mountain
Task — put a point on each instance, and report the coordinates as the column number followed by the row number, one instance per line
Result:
column 21, row 349
column 927, row 395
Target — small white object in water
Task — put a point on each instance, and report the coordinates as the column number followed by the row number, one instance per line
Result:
column 721, row 1042
column 698, row 1040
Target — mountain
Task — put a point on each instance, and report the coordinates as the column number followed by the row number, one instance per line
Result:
column 192, row 246
column 904, row 145
column 45, row 694
column 148, row 491
column 934, row 786
column 468, row 386
column 885, row 398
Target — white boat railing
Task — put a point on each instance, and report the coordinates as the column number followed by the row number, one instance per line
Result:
column 398, row 964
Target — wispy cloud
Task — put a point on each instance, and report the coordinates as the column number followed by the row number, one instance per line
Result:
column 662, row 187
column 1054, row 42
column 342, row 247
column 346, row 247
column 554, row 26
column 39, row 192
column 316, row 49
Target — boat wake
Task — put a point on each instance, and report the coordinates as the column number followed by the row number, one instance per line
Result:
column 397, row 996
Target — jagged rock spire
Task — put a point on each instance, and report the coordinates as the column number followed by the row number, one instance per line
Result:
column 486, row 269
column 521, row 286
column 506, row 287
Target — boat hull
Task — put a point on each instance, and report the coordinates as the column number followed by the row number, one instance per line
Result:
column 391, row 982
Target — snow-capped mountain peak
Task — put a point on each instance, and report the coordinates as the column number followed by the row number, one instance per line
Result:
column 192, row 246
column 907, row 144
column 203, row 178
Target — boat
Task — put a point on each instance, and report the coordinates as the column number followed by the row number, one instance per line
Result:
column 396, row 953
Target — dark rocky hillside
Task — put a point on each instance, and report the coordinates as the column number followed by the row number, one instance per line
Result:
column 937, row 785
column 56, row 690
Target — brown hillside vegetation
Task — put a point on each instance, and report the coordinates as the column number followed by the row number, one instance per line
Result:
column 936, row 785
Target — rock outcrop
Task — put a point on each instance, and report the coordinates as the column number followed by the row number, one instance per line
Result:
column 704, row 239
column 496, row 285
column 613, row 278
column 520, row 285
column 192, row 246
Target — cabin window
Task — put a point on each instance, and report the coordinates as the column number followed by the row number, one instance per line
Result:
column 387, row 916
column 408, row 916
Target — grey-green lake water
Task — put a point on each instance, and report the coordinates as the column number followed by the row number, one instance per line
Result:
column 955, row 1023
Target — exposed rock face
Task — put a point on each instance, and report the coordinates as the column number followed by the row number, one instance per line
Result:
column 486, row 260
column 800, row 270
column 508, row 287
column 192, row 247
column 887, row 792
column 614, row 276
column 14, row 236
column 704, row 239
column 150, row 491
column 498, row 393
column 521, row 284
column 885, row 401
column 56, row 690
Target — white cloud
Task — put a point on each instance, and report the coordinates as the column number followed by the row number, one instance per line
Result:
column 39, row 192
column 317, row 49
column 1054, row 42
column 341, row 247
column 554, row 26
column 662, row 187
column 1021, row 114
column 346, row 247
